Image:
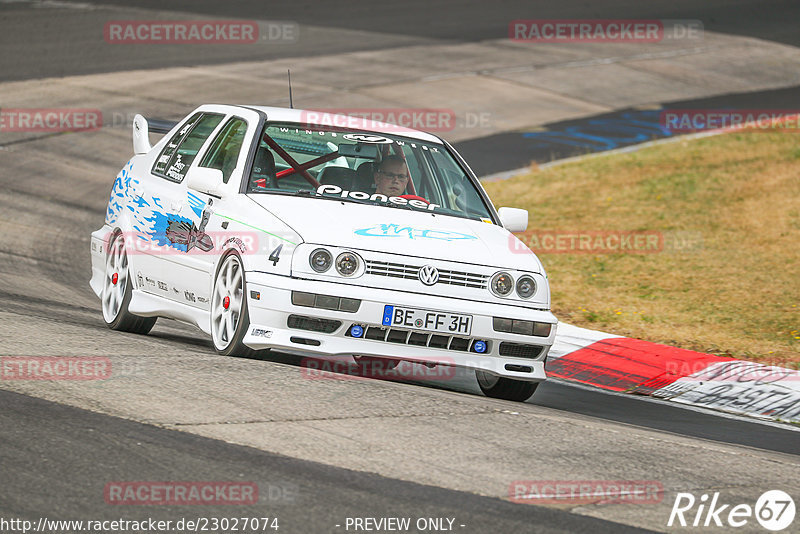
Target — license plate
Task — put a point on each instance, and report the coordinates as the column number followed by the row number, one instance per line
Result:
column 432, row 321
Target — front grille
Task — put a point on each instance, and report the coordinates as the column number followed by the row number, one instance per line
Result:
column 460, row 278
column 420, row 339
column 395, row 270
column 518, row 350
column 326, row 326
column 397, row 336
column 411, row 272
column 374, row 332
column 459, row 343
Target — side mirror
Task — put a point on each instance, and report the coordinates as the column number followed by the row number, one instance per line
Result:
column 206, row 180
column 513, row 219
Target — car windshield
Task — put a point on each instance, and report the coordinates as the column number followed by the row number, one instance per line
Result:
column 364, row 167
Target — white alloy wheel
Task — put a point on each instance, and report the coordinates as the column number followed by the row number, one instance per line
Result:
column 116, row 279
column 118, row 291
column 227, row 302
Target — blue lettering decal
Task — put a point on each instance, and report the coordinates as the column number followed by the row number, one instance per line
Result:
column 395, row 230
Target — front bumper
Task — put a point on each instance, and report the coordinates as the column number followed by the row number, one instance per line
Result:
column 270, row 313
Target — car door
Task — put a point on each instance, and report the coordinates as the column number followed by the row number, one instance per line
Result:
column 227, row 151
column 173, row 227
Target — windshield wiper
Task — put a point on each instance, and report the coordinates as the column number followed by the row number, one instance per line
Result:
column 347, row 199
column 399, row 206
column 299, row 192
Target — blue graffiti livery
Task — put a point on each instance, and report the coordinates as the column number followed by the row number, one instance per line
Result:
column 156, row 225
column 196, row 203
column 395, row 230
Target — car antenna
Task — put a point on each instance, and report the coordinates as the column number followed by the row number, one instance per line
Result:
column 289, row 72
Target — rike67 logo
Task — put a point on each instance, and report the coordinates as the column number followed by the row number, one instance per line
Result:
column 774, row 510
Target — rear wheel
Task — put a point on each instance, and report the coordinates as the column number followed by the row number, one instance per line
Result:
column 229, row 316
column 117, row 290
column 499, row 387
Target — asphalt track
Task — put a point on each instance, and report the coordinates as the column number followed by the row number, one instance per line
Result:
column 303, row 496
column 72, row 44
column 57, row 454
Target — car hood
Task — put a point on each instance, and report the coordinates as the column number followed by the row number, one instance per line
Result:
column 399, row 231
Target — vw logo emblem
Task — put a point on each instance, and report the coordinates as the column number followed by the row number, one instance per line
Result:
column 428, row 275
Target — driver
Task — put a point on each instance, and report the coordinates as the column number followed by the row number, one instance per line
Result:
column 391, row 176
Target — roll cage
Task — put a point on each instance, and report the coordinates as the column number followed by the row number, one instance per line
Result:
column 302, row 168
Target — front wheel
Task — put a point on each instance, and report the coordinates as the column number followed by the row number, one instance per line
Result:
column 229, row 316
column 505, row 388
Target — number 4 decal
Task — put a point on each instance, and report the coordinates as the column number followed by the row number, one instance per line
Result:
column 275, row 257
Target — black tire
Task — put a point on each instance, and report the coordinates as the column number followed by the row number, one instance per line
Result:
column 233, row 346
column 122, row 320
column 498, row 387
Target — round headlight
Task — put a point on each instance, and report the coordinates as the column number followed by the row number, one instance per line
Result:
column 320, row 260
column 526, row 287
column 502, row 284
column 347, row 263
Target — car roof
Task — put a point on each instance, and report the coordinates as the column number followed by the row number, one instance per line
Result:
column 321, row 117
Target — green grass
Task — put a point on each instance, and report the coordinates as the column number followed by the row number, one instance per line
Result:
column 728, row 279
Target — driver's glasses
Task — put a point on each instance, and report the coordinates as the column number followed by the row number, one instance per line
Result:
column 399, row 177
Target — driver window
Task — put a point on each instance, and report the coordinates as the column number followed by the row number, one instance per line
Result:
column 224, row 152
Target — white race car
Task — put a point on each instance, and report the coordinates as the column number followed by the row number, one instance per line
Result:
column 325, row 238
